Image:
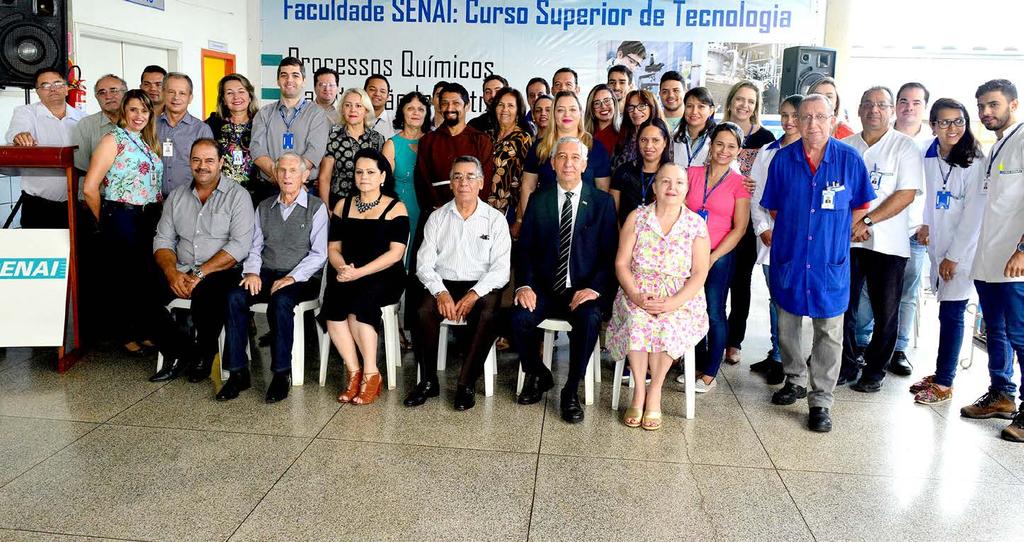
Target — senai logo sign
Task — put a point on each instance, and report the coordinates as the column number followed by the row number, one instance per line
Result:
column 33, row 268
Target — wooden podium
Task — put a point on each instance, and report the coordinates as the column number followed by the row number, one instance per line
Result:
column 57, row 158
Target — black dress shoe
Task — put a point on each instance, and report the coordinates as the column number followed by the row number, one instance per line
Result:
column 847, row 376
column 763, row 366
column 239, row 381
column 819, row 420
column 171, row 370
column 867, row 385
column 789, row 394
column 534, row 388
column 572, row 411
column 775, row 374
column 899, row 364
column 200, row 371
column 278, row 389
column 464, row 398
column 421, row 393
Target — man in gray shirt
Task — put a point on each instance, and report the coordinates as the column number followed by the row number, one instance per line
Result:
column 204, row 232
column 291, row 124
column 176, row 130
column 90, row 130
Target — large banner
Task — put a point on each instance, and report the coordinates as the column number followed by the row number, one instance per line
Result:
column 416, row 43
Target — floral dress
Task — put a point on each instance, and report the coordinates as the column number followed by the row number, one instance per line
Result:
column 136, row 175
column 661, row 265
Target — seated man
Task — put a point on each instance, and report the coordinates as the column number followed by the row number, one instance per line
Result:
column 564, row 269
column 464, row 263
column 204, row 232
column 284, row 268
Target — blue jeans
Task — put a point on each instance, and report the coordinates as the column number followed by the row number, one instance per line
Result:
column 716, row 288
column 951, row 338
column 773, row 318
column 1002, row 304
column 908, row 301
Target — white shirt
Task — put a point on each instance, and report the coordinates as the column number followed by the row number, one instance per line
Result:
column 1003, row 221
column 574, row 206
column 894, row 163
column 384, row 125
column 698, row 150
column 760, row 218
column 478, row 248
column 923, row 139
column 953, row 232
column 48, row 131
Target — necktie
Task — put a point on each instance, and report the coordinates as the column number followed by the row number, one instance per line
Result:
column 564, row 240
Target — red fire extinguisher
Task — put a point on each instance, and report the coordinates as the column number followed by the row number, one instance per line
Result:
column 76, row 87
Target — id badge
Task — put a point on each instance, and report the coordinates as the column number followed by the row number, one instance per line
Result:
column 984, row 186
column 703, row 214
column 288, row 141
column 168, row 149
column 942, row 198
column 828, row 199
column 237, row 158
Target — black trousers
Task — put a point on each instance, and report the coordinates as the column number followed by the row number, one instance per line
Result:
column 129, row 277
column 739, row 288
column 480, row 329
column 40, row 213
column 208, row 311
column 883, row 274
column 586, row 326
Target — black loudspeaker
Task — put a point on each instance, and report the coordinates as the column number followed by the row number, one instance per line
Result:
column 804, row 66
column 33, row 35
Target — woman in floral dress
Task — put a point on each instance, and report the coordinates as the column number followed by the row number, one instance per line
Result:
column 659, row 312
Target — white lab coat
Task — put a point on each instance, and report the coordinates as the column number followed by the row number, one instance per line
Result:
column 953, row 233
column 759, row 217
column 1003, row 219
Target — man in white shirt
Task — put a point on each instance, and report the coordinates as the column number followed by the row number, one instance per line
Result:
column 464, row 262
column 671, row 91
column 881, row 249
column 998, row 271
column 48, row 122
column 379, row 89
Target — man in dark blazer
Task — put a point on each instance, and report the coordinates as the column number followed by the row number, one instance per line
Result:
column 564, row 269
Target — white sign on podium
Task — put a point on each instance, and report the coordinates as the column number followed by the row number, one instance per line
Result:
column 33, row 286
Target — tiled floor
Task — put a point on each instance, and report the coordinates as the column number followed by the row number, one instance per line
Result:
column 102, row 454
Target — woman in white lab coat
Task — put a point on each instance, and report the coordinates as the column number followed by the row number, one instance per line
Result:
column 763, row 224
column 955, row 197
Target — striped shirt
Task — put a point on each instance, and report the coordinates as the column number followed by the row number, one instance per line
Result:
column 478, row 248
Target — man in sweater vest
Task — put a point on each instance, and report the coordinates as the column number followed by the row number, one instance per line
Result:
column 284, row 268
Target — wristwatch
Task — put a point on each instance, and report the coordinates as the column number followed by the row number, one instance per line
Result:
column 197, row 272
column 867, row 221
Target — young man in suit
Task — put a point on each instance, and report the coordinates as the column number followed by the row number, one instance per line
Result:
column 565, row 269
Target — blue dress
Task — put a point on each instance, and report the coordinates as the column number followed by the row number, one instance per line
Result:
column 405, row 163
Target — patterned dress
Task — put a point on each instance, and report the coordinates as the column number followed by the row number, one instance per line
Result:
column 509, row 157
column 661, row 264
column 343, row 148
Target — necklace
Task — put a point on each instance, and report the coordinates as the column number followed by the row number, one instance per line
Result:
column 362, row 206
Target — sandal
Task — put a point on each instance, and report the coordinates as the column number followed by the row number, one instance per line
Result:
column 632, row 416
column 922, row 384
column 933, row 395
column 651, row 421
column 369, row 391
column 354, row 378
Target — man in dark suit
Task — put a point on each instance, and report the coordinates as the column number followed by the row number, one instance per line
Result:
column 564, row 269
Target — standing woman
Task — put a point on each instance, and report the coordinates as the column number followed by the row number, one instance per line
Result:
column 511, row 141
column 659, row 312
column 411, row 124
column 764, row 225
column 602, row 116
column 826, row 86
column 231, row 124
column 122, row 190
column 718, row 195
column 567, row 121
column 691, row 141
column 640, row 107
column 954, row 203
column 633, row 182
column 743, row 108
column 354, row 133
column 540, row 113
column 368, row 235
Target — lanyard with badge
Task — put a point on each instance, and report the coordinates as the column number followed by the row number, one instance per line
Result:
column 703, row 212
column 288, row 137
column 144, row 148
column 943, row 197
column 828, row 195
column 691, row 154
column 995, row 153
column 237, row 132
column 645, row 183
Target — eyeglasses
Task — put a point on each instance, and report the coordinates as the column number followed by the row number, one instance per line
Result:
column 806, row 119
column 56, row 85
column 464, row 178
column 959, row 122
column 872, row 105
column 109, row 92
column 637, row 107
column 607, row 102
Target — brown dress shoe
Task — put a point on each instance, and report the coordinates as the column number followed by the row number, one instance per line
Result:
column 369, row 390
column 991, row 405
column 1015, row 431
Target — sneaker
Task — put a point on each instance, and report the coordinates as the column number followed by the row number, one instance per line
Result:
column 991, row 405
column 933, row 395
column 922, row 384
column 1015, row 431
column 704, row 387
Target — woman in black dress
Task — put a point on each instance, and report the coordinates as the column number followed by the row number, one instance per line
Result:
column 367, row 240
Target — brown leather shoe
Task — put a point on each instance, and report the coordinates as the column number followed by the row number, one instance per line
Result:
column 353, row 387
column 1015, row 431
column 369, row 391
column 991, row 405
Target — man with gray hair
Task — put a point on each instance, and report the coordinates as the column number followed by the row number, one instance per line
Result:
column 464, row 263
column 177, row 129
column 564, row 269
column 284, row 268
column 87, row 133
column 814, row 190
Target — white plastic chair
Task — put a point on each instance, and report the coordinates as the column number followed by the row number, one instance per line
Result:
column 392, row 347
column 550, row 327
column 490, row 364
column 688, row 369
column 186, row 304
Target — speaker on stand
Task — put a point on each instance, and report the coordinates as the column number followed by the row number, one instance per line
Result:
column 33, row 35
column 803, row 66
